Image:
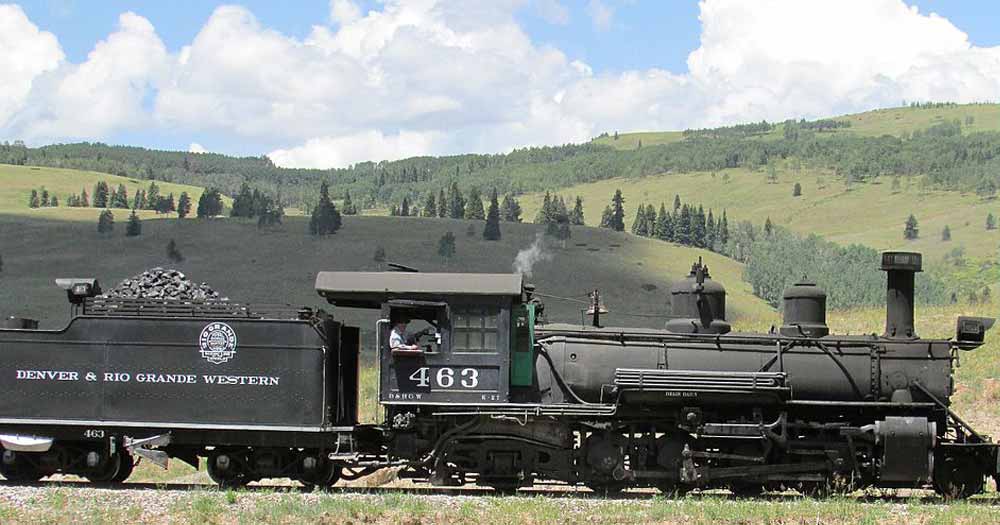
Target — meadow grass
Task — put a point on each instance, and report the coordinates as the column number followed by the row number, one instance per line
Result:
column 16, row 183
column 280, row 265
column 875, row 123
column 872, row 214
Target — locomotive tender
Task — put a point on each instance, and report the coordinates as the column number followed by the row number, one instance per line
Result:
column 495, row 396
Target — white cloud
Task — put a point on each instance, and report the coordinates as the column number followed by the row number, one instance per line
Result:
column 601, row 15
column 26, row 54
column 197, row 148
column 552, row 11
column 324, row 152
column 102, row 94
column 344, row 11
column 446, row 76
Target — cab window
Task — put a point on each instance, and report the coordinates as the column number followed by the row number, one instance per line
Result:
column 475, row 329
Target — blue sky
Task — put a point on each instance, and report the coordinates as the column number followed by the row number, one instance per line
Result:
column 312, row 87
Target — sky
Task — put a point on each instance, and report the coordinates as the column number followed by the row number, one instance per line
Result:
column 330, row 83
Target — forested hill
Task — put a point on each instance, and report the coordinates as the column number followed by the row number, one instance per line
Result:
column 955, row 146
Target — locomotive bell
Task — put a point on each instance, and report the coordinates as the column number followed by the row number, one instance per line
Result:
column 804, row 311
column 698, row 304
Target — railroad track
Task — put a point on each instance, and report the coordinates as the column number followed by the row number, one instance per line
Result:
column 553, row 491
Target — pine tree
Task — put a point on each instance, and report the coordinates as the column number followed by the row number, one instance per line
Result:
column 618, row 211
column 946, row 233
column 544, row 215
column 724, row 229
column 209, row 204
column 101, row 195
column 134, row 227
column 443, row 205
column 45, row 198
column 174, row 254
column 492, row 230
column 325, row 218
column 662, row 224
column 768, row 227
column 243, row 204
column 446, row 245
column 106, row 222
column 183, row 205
column 474, row 206
column 710, row 232
column 677, row 203
column 911, row 231
column 153, row 197
column 404, row 208
column 606, row 217
column 430, row 206
column 650, row 221
column 34, row 201
column 991, row 222
column 84, row 198
column 349, row 207
column 456, row 202
column 54, row 201
column 510, row 210
column 576, row 217
column 698, row 228
column 138, row 200
column 120, row 197
column 639, row 226
column 682, row 226
column 167, row 204
column 797, row 190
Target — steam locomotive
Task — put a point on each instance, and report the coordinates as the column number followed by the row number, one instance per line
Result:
column 494, row 395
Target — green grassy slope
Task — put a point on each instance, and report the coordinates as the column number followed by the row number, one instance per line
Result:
column 870, row 214
column 16, row 183
column 892, row 121
column 246, row 264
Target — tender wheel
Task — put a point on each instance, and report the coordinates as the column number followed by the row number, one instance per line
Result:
column 957, row 477
column 228, row 469
column 17, row 467
column 127, row 466
column 323, row 476
column 111, row 468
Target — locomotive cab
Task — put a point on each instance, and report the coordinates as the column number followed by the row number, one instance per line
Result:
column 468, row 336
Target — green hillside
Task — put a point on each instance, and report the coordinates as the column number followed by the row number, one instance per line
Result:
column 891, row 121
column 16, row 183
column 872, row 214
column 280, row 265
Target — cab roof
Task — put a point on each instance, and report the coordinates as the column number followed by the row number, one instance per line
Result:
column 371, row 289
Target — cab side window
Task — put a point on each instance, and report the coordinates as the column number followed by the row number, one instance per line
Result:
column 475, row 329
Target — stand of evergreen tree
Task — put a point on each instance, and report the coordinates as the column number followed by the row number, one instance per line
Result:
column 106, row 222
column 430, row 206
column 576, row 216
column 510, row 209
column 325, row 219
column 210, row 203
column 134, row 226
column 349, row 207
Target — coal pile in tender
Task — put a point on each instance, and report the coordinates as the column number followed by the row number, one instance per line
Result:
column 160, row 283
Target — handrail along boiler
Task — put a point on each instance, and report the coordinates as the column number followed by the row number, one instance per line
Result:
column 495, row 395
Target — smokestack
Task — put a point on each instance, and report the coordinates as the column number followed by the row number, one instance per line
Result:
column 900, row 268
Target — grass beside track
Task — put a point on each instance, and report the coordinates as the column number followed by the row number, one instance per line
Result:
column 73, row 505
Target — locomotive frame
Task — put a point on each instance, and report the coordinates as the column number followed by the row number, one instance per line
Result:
column 496, row 396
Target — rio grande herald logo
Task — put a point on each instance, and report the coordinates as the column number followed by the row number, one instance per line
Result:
column 218, row 343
